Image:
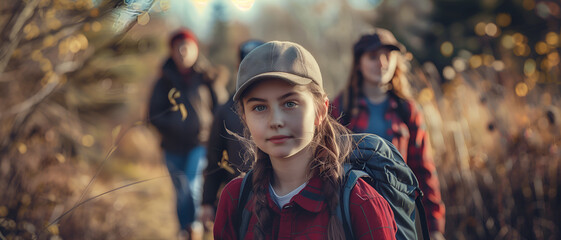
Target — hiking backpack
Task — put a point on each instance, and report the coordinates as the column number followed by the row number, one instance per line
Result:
column 379, row 162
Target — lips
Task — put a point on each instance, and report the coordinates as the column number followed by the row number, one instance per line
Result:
column 279, row 139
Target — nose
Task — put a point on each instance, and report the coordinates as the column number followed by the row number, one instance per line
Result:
column 382, row 60
column 183, row 50
column 277, row 118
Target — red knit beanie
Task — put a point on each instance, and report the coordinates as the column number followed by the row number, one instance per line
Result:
column 183, row 34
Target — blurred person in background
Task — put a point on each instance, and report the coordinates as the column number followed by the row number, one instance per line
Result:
column 378, row 100
column 225, row 153
column 181, row 108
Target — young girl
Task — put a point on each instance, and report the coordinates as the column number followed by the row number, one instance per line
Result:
column 298, row 150
column 378, row 100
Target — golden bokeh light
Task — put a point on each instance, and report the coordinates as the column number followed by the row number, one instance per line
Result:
column 94, row 12
column 554, row 58
column 49, row 41
column 88, row 140
column 96, row 26
column 446, row 48
column 529, row 67
column 498, row 65
column 74, row 45
column 519, row 38
column 143, row 19
column 532, row 79
column 426, row 95
column 243, row 5
column 31, row 30
column 507, row 41
column 552, row 39
column 83, row 40
column 448, row 72
column 200, row 5
column 60, row 158
column 87, row 27
column 480, row 29
column 488, row 59
column 459, row 64
column 36, row 55
column 541, row 48
column 503, row 19
column 522, row 50
column 165, row 5
column 22, row 148
column 475, row 61
column 491, row 29
column 201, row 2
column 521, row 89
column 45, row 65
column 53, row 229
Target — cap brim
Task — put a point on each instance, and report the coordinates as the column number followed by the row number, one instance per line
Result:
column 378, row 46
column 295, row 79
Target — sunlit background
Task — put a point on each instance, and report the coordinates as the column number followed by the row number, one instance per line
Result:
column 78, row 159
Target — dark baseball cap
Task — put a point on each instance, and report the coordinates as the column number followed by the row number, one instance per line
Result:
column 378, row 38
column 285, row 60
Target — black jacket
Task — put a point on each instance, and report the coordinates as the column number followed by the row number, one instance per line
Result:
column 198, row 96
column 223, row 168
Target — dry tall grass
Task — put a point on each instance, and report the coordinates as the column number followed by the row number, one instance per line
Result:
column 498, row 153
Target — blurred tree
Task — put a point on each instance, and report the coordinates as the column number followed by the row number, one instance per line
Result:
column 55, row 84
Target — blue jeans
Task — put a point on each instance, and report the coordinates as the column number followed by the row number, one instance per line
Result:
column 186, row 174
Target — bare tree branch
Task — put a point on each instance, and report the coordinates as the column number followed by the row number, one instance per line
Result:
column 13, row 36
column 23, row 111
column 32, row 101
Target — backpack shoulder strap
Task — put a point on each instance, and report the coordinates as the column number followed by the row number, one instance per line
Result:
column 242, row 214
column 344, row 212
column 422, row 216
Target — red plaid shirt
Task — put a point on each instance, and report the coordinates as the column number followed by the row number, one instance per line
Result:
column 412, row 141
column 306, row 215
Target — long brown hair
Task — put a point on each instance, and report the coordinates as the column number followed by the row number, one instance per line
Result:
column 331, row 144
column 398, row 86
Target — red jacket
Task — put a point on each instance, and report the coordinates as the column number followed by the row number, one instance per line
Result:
column 306, row 215
column 412, row 141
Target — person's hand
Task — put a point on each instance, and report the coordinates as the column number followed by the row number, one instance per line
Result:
column 436, row 235
column 207, row 216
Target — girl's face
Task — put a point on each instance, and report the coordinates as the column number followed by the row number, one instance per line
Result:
column 281, row 118
column 185, row 53
column 375, row 66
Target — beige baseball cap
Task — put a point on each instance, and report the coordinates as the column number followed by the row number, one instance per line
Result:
column 285, row 60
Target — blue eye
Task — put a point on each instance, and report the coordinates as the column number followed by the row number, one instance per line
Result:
column 259, row 108
column 290, row 104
